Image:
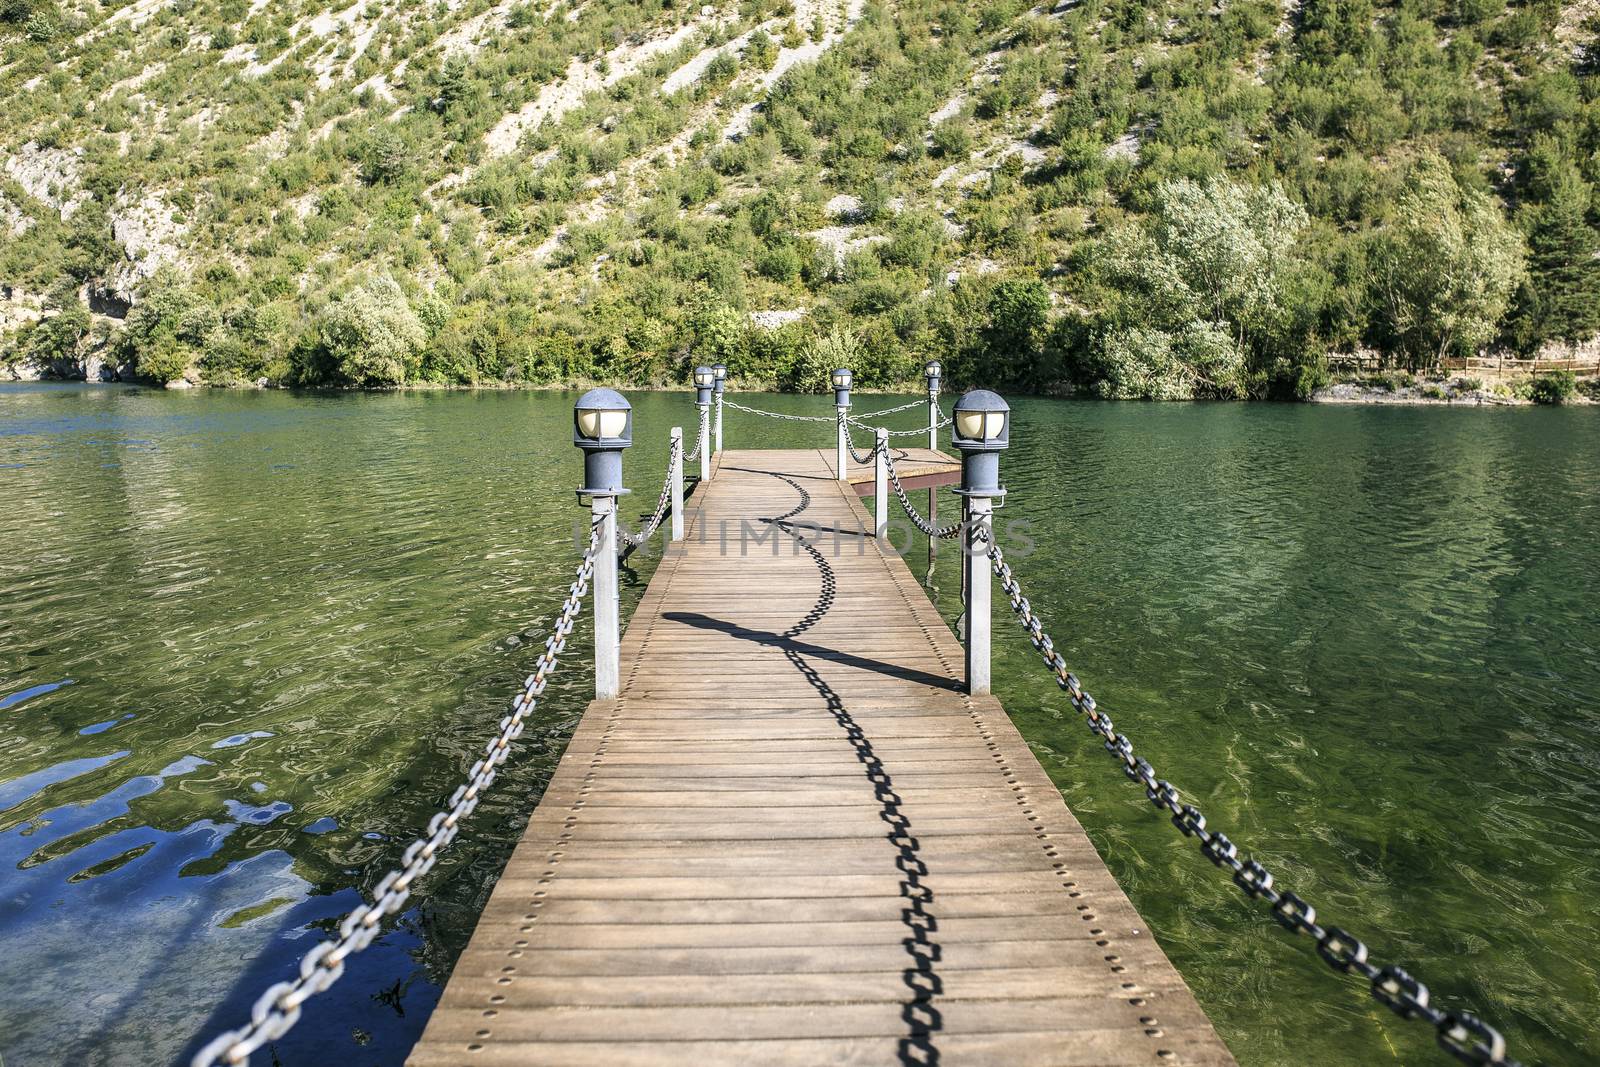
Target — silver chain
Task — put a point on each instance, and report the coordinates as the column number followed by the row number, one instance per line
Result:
column 916, row 431
column 920, row 430
column 940, row 532
column 699, row 440
column 776, row 414
column 859, row 419
column 278, row 1008
column 650, row 528
column 859, row 457
column 1460, row 1033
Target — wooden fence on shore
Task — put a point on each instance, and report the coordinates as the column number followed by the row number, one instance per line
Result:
column 1472, row 364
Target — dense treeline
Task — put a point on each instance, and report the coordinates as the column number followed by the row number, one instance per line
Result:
column 1134, row 199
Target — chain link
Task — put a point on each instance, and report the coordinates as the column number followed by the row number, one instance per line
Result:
column 776, row 414
column 699, row 440
column 917, row 520
column 919, row 430
column 631, row 541
column 859, row 457
column 1459, row 1033
column 278, row 1008
column 860, row 420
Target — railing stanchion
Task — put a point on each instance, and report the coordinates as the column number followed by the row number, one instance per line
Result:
column 719, row 374
column 841, row 403
column 932, row 371
column 981, row 430
column 607, row 608
column 705, row 380
column 677, row 483
column 880, row 486
column 705, row 450
column 975, row 558
column 603, row 427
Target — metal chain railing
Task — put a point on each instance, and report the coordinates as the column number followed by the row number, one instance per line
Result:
column 859, row 457
column 699, row 441
column 917, row 520
column 278, row 1008
column 1459, row 1033
column 861, row 419
column 918, row 431
column 776, row 414
column 634, row 540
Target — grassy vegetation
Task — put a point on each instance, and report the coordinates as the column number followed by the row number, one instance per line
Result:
column 1156, row 199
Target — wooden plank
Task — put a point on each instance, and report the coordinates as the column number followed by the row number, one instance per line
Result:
column 793, row 839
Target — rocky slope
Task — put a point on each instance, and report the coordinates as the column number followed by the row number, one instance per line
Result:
column 592, row 188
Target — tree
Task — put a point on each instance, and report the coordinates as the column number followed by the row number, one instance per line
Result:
column 1140, row 363
column 1444, row 267
column 1019, row 316
column 816, row 362
column 1194, row 291
column 1215, row 252
column 373, row 336
column 1560, row 301
column 383, row 155
column 59, row 335
column 166, row 329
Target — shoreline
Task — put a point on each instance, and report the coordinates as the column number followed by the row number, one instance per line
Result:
column 1437, row 392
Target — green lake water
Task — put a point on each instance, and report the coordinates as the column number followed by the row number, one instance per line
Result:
column 249, row 642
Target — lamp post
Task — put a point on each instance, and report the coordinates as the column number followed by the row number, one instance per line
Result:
column 719, row 375
column 932, row 370
column 841, row 403
column 676, row 438
column 981, row 430
column 704, row 379
column 880, row 485
column 602, row 425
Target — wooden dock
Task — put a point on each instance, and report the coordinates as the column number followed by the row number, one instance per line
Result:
column 794, row 839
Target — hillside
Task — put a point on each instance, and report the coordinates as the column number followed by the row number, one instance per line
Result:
column 1160, row 199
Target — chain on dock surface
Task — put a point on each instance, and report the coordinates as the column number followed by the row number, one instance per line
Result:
column 278, row 1008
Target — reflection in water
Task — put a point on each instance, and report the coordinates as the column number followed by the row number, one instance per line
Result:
column 1366, row 639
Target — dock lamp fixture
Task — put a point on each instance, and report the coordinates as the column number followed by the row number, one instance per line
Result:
column 719, row 378
column 705, row 379
column 602, row 426
column 932, row 370
column 840, row 380
column 602, row 422
column 981, row 430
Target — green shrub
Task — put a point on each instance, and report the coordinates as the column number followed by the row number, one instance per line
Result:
column 952, row 140
column 165, row 359
column 1556, row 387
column 781, row 263
column 372, row 335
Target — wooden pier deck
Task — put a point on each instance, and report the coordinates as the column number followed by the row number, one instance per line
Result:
column 794, row 839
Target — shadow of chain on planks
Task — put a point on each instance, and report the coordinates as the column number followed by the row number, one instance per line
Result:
column 922, row 1018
